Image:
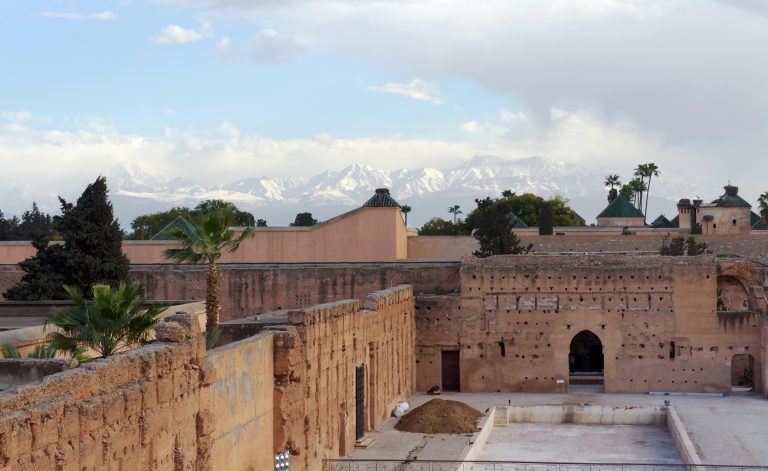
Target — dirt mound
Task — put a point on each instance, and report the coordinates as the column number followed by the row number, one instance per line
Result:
column 440, row 416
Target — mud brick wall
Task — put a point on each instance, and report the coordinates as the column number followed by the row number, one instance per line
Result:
column 315, row 361
column 247, row 290
column 241, row 401
column 753, row 246
column 164, row 406
column 656, row 317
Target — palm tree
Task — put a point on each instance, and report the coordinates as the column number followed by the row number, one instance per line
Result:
column 763, row 203
column 640, row 172
column 206, row 243
column 637, row 186
column 612, row 181
column 455, row 211
column 650, row 170
column 113, row 320
column 405, row 209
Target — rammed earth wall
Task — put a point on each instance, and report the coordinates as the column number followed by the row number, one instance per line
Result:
column 164, row 406
column 315, row 363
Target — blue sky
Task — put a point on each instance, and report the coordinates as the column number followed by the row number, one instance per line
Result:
column 218, row 90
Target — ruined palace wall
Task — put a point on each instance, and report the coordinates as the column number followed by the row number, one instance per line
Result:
column 754, row 246
column 136, row 410
column 164, row 406
column 315, row 364
column 655, row 316
column 247, row 290
column 241, row 401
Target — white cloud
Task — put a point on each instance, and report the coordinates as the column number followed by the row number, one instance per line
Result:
column 100, row 16
column 175, row 34
column 24, row 116
column 472, row 127
column 266, row 47
column 417, row 89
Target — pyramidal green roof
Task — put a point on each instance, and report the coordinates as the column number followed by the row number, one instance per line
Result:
column 757, row 222
column 382, row 199
column 731, row 199
column 165, row 233
column 620, row 208
column 517, row 223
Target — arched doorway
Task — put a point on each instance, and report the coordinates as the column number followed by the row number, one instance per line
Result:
column 742, row 372
column 585, row 360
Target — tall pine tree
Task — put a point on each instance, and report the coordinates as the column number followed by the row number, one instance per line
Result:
column 91, row 251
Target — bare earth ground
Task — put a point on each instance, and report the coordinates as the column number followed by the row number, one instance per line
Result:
column 730, row 430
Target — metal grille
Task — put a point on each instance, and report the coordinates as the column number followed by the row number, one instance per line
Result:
column 427, row 465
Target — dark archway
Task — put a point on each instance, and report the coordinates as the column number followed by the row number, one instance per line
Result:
column 743, row 371
column 586, row 355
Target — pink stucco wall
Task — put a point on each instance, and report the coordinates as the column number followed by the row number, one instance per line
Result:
column 361, row 235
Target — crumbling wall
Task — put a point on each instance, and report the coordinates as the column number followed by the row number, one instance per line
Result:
column 753, row 246
column 247, row 290
column 164, row 406
column 515, row 317
column 315, row 362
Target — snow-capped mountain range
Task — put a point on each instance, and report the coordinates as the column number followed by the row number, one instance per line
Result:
column 429, row 191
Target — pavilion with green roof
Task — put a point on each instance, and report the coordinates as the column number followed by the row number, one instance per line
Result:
column 621, row 213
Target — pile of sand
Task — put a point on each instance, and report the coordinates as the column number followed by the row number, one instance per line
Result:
column 440, row 416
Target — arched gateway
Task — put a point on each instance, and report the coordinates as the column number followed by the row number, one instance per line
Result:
column 585, row 360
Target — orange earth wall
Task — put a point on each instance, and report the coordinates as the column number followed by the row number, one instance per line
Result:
column 656, row 317
column 361, row 235
column 165, row 406
column 247, row 290
column 315, row 361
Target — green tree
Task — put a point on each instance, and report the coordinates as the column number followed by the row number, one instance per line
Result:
column 762, row 202
column 206, row 243
column 405, row 209
column 439, row 226
column 261, row 223
column 241, row 218
column 148, row 225
column 545, row 219
column 679, row 246
column 91, row 251
column 492, row 227
column 112, row 319
column 648, row 171
column 455, row 210
column 637, row 187
column 612, row 181
column 304, row 220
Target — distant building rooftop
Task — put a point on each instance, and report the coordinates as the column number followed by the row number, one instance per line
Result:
column 621, row 208
column 382, row 199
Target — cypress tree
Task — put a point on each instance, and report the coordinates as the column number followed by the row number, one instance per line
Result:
column 91, row 252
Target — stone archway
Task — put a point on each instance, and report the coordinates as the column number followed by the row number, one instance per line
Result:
column 586, row 361
column 732, row 295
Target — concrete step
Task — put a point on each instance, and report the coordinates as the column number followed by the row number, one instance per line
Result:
column 364, row 442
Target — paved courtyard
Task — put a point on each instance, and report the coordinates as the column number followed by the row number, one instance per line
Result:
column 580, row 444
column 730, row 430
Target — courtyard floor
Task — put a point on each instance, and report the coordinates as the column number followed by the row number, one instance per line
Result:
column 730, row 430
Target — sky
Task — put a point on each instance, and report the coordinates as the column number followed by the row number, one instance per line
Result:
column 218, row 90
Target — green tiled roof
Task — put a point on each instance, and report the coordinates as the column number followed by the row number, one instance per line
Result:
column 757, row 222
column 731, row 199
column 517, row 223
column 661, row 221
column 165, row 233
column 620, row 208
column 382, row 199
column 675, row 222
